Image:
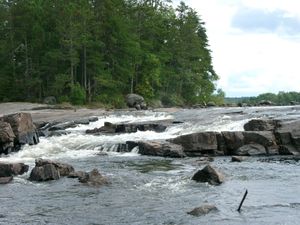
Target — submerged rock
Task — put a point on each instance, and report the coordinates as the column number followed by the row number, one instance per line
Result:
column 203, row 210
column 210, row 175
column 93, row 178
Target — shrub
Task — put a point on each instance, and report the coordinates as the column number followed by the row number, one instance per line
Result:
column 77, row 96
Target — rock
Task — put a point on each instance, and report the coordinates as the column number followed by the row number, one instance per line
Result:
column 198, row 144
column 237, row 159
column 202, row 210
column 5, row 180
column 93, row 119
column 251, row 150
column 63, row 126
column 265, row 103
column 63, row 168
column 233, row 140
column 7, row 137
column 44, row 173
column 82, row 121
column 211, row 104
column 23, row 128
column 164, row 149
column 260, row 125
column 210, row 175
column 111, row 128
column 50, row 100
column 7, row 170
column 93, row 178
column 57, row 133
column 135, row 101
column 288, row 150
column 78, row 174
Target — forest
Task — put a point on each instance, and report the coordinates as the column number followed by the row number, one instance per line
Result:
column 100, row 50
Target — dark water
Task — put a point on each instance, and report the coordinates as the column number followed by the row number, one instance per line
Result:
column 154, row 190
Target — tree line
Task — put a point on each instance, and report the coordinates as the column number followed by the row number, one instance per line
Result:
column 100, row 50
column 281, row 98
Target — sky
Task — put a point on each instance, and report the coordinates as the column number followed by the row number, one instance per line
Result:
column 255, row 44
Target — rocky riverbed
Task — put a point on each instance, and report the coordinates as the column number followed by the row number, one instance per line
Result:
column 137, row 189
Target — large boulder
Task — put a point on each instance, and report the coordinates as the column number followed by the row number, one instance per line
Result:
column 135, row 101
column 160, row 148
column 63, row 168
column 23, row 128
column 93, row 178
column 203, row 210
column 198, row 144
column 7, row 137
column 210, row 175
column 44, row 173
column 50, row 100
column 12, row 169
column 260, row 125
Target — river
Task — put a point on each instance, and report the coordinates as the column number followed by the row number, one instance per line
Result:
column 154, row 190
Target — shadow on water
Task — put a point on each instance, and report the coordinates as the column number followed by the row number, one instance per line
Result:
column 153, row 165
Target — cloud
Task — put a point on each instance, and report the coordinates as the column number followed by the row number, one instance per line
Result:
column 260, row 20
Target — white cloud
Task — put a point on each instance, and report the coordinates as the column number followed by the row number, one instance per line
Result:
column 250, row 63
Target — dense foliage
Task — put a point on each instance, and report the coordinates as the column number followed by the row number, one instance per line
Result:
column 282, row 98
column 101, row 50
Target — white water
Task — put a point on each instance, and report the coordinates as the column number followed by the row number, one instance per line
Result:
column 77, row 144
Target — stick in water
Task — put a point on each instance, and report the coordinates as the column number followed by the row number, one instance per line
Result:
column 244, row 197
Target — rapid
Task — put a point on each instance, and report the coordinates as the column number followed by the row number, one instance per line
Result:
column 153, row 190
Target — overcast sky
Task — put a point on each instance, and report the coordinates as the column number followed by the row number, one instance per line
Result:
column 255, row 44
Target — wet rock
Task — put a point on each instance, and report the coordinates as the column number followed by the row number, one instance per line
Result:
column 164, row 149
column 93, row 119
column 11, row 169
column 23, row 128
column 265, row 138
column 288, row 150
column 110, row 128
column 210, row 175
column 202, row 210
column 85, row 121
column 260, row 125
column 5, row 180
column 233, row 141
column 265, row 103
column 63, row 168
column 198, row 144
column 93, row 178
column 62, row 126
column 251, row 150
column 57, row 133
column 44, row 173
column 237, row 159
column 78, row 174
column 7, row 137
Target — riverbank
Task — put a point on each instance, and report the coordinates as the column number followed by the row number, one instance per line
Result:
column 50, row 113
